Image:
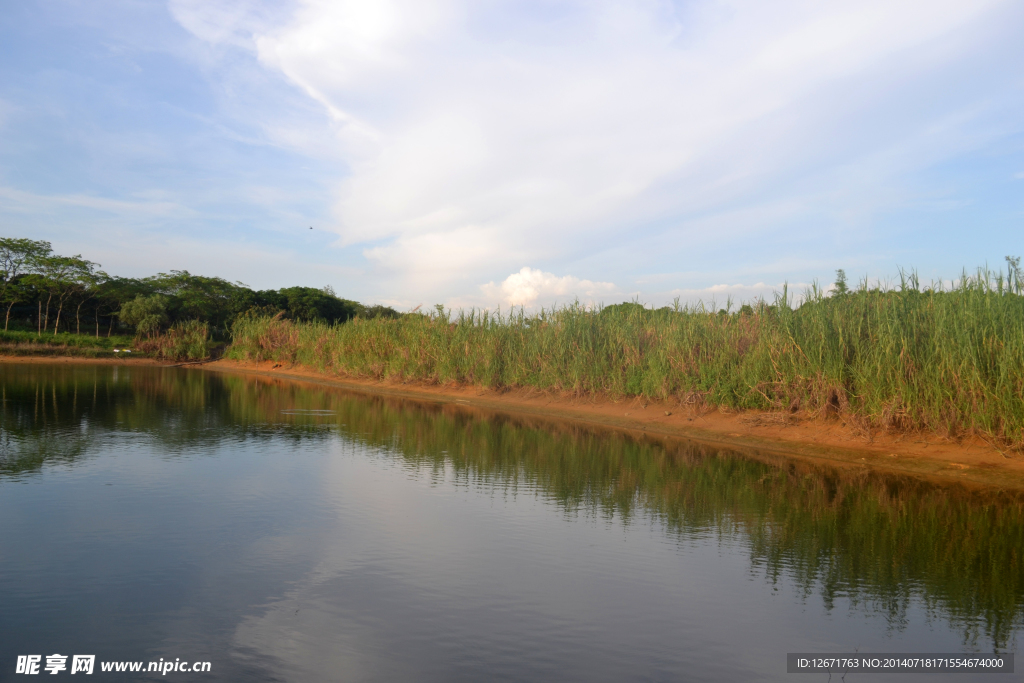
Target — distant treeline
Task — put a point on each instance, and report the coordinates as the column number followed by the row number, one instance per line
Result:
column 48, row 293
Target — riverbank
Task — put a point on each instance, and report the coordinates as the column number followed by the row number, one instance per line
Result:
column 904, row 361
column 970, row 461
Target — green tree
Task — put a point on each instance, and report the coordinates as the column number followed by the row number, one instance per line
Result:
column 379, row 311
column 145, row 313
column 840, row 286
column 60, row 277
column 18, row 256
column 196, row 297
column 309, row 303
column 113, row 292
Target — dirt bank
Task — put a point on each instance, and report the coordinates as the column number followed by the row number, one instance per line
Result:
column 970, row 461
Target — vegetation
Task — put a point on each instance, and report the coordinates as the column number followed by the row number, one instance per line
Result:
column 21, row 343
column 55, row 296
column 908, row 357
column 184, row 340
column 904, row 357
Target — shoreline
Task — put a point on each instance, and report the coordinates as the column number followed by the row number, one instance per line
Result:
column 970, row 461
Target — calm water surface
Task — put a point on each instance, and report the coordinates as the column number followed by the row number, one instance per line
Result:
column 295, row 532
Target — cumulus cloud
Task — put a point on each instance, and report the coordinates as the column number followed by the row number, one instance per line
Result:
column 531, row 288
column 478, row 136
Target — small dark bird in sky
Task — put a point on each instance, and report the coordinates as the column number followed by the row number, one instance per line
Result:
column 311, row 227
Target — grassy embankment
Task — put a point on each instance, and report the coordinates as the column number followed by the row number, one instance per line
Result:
column 25, row 343
column 945, row 361
column 187, row 340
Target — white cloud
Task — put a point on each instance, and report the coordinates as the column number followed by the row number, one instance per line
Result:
column 531, row 288
column 478, row 136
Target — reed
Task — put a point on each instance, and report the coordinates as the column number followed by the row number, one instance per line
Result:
column 949, row 360
column 185, row 340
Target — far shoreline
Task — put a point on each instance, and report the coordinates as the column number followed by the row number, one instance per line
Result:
column 970, row 461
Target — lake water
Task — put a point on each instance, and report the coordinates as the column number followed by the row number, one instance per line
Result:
column 296, row 532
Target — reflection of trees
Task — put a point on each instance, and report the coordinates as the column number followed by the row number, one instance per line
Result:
column 880, row 541
column 58, row 413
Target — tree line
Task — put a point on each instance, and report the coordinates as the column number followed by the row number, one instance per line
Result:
column 48, row 293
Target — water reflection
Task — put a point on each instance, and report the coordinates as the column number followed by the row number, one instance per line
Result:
column 882, row 543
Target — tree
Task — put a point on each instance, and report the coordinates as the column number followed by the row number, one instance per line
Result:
column 308, row 303
column 840, row 286
column 113, row 292
column 61, row 276
column 17, row 257
column 86, row 289
column 211, row 299
column 145, row 313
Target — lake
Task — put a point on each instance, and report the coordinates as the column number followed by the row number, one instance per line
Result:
column 287, row 531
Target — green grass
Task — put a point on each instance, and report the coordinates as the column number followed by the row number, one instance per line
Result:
column 186, row 340
column 25, row 343
column 910, row 358
column 64, row 339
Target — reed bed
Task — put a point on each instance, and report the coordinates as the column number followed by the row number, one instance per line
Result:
column 905, row 358
column 185, row 340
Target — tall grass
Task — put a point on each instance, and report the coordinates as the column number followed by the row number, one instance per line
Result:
column 185, row 340
column 63, row 339
column 904, row 358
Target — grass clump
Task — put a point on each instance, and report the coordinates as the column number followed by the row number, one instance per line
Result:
column 185, row 340
column 947, row 360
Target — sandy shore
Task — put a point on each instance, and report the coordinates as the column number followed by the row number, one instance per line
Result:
column 971, row 461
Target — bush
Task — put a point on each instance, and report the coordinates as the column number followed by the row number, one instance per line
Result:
column 183, row 341
column 145, row 313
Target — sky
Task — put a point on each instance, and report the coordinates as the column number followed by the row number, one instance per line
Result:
column 491, row 154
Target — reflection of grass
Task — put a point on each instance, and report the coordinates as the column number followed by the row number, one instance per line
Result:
column 949, row 361
column 877, row 540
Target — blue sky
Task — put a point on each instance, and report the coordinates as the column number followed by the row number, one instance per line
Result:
column 492, row 153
